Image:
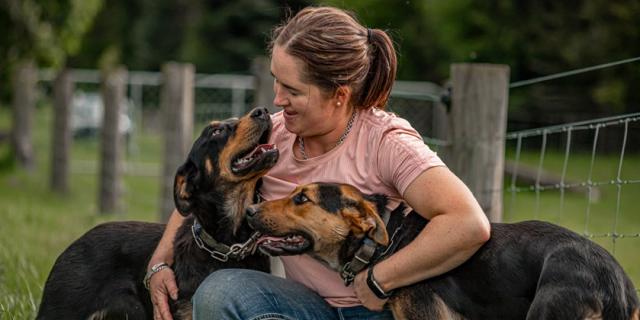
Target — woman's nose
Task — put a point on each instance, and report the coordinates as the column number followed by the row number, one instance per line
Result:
column 278, row 100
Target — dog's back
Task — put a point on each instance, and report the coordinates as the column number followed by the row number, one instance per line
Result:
column 96, row 273
column 532, row 270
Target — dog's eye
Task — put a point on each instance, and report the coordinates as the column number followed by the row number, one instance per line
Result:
column 300, row 198
column 216, row 131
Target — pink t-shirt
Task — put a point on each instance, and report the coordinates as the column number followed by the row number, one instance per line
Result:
column 382, row 154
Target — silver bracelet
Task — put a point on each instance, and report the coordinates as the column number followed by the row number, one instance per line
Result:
column 154, row 269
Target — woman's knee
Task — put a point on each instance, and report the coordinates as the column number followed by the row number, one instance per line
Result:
column 222, row 286
column 227, row 292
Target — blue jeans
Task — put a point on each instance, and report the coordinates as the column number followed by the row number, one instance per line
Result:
column 242, row 294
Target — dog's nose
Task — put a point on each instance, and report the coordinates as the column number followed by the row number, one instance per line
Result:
column 251, row 211
column 260, row 112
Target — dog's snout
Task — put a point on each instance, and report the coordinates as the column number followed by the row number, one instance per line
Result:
column 260, row 112
column 251, row 211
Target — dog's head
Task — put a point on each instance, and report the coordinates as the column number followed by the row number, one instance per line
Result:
column 328, row 221
column 224, row 165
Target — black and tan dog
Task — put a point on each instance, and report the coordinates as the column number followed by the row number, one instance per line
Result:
column 527, row 270
column 100, row 275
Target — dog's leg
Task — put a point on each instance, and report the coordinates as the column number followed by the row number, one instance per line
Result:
column 556, row 301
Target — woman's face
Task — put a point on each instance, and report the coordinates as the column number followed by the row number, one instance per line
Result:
column 308, row 111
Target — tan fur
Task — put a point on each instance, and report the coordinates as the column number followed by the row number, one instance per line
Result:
column 402, row 309
column 235, row 144
column 180, row 183
column 208, row 166
column 240, row 198
column 636, row 315
column 327, row 230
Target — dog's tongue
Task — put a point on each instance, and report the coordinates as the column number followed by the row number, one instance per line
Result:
column 261, row 149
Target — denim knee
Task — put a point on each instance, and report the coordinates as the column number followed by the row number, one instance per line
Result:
column 219, row 290
column 249, row 294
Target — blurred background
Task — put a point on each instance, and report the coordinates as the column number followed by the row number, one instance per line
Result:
column 569, row 147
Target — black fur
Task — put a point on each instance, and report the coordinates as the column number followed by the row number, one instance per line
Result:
column 100, row 274
column 527, row 270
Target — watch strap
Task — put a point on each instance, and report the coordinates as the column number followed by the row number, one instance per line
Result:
column 375, row 287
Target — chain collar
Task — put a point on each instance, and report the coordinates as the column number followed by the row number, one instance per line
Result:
column 221, row 251
column 340, row 141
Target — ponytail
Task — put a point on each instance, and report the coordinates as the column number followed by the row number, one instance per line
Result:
column 383, row 64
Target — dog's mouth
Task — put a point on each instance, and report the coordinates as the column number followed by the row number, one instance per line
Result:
column 262, row 153
column 259, row 154
column 289, row 244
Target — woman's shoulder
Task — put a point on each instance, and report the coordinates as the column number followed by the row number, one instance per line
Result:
column 384, row 121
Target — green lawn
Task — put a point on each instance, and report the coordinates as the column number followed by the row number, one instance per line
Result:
column 38, row 224
column 602, row 216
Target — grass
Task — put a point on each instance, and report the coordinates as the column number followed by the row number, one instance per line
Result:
column 602, row 216
column 37, row 225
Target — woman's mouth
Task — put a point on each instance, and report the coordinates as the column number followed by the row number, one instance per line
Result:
column 289, row 114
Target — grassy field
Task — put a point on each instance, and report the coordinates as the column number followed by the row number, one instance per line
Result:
column 38, row 224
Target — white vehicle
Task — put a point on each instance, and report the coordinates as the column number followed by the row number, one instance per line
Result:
column 87, row 112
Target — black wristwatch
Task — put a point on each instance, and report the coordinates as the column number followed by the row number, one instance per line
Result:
column 375, row 286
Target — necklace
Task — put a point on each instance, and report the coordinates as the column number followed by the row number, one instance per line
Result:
column 340, row 141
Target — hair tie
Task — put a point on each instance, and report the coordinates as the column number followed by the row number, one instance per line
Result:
column 369, row 35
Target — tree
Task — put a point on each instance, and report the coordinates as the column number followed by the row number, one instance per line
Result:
column 42, row 33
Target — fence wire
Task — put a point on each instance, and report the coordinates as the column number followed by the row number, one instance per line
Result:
column 590, row 185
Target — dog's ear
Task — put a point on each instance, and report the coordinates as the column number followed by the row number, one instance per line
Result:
column 183, row 187
column 364, row 218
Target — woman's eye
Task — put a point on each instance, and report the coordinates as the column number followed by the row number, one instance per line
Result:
column 216, row 131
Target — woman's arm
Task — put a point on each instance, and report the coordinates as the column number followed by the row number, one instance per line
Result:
column 457, row 229
column 163, row 283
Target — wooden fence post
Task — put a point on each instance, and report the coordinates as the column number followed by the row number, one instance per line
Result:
column 114, row 86
column 61, row 135
column 264, row 95
column 478, row 128
column 177, row 99
column 25, row 79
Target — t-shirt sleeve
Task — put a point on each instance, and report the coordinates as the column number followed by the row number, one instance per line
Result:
column 403, row 156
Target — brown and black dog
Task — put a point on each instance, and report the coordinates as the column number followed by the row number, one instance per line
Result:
column 100, row 275
column 527, row 270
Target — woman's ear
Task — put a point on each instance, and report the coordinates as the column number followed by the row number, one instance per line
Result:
column 342, row 95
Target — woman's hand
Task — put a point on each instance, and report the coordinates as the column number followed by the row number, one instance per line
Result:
column 366, row 296
column 162, row 285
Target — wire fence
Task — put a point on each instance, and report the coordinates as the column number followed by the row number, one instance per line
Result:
column 590, row 184
column 583, row 175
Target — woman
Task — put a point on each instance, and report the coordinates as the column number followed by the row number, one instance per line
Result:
column 333, row 78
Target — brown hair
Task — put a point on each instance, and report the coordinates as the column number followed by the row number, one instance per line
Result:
column 337, row 50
